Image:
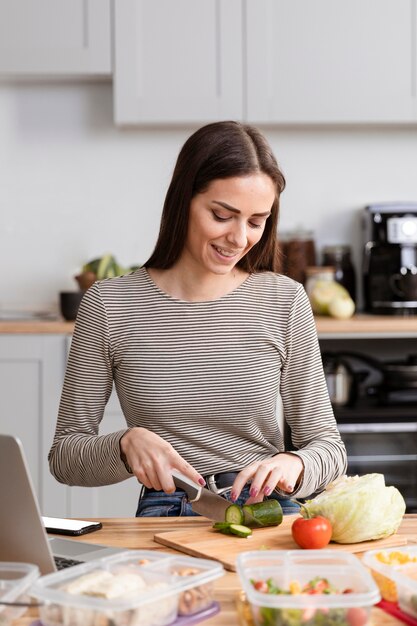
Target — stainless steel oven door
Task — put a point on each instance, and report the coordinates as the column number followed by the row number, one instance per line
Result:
column 385, row 448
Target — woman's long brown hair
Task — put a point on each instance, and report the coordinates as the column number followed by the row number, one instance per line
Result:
column 217, row 151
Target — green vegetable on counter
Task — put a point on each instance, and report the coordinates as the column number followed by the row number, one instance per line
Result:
column 239, row 521
column 234, row 514
column 228, row 528
column 262, row 514
column 224, row 527
column 359, row 508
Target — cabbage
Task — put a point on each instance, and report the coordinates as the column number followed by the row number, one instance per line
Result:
column 359, row 508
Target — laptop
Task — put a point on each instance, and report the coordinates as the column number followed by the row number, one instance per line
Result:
column 23, row 536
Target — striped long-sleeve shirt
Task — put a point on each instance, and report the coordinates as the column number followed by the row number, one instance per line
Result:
column 204, row 376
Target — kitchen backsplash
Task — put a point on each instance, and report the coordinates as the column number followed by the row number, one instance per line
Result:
column 75, row 187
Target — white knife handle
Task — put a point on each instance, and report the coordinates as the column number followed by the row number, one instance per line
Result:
column 192, row 489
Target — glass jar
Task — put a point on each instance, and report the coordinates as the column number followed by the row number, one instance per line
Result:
column 344, row 272
column 299, row 253
column 315, row 274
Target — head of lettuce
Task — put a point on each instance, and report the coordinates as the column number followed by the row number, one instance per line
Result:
column 359, row 508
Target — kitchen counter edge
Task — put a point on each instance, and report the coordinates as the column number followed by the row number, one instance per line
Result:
column 359, row 325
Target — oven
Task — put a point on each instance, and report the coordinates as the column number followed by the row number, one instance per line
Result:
column 382, row 439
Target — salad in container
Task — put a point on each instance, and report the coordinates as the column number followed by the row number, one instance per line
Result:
column 314, row 588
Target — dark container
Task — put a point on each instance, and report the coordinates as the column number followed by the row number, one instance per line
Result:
column 344, row 272
column 69, row 301
column 298, row 253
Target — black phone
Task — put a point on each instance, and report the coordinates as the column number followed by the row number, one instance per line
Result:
column 73, row 527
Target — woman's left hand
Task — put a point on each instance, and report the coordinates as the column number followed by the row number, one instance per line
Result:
column 282, row 471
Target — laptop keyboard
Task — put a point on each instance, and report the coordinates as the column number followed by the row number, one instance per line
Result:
column 61, row 562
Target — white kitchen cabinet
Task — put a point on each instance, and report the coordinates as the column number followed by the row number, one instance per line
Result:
column 31, row 374
column 177, row 62
column 330, row 61
column 55, row 38
column 119, row 500
column 32, row 369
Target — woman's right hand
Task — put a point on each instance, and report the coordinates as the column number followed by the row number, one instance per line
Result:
column 151, row 459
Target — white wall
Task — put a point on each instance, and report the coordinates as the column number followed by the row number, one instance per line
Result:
column 73, row 186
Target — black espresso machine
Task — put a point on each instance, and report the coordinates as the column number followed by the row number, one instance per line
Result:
column 390, row 258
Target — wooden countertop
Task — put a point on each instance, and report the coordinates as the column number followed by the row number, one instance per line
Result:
column 138, row 533
column 361, row 325
column 19, row 327
column 364, row 325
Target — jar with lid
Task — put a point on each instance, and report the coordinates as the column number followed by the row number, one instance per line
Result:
column 315, row 274
column 299, row 252
column 344, row 273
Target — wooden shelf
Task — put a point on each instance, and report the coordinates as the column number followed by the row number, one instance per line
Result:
column 360, row 325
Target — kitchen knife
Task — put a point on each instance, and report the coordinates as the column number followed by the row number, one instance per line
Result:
column 202, row 500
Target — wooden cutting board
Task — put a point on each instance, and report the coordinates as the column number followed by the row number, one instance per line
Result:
column 210, row 544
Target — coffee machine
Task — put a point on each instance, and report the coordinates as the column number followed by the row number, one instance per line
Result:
column 390, row 258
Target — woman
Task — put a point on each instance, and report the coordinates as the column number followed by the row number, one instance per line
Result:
column 200, row 342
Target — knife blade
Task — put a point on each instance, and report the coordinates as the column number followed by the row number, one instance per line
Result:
column 202, row 500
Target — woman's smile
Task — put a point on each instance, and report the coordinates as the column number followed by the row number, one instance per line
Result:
column 229, row 254
column 225, row 222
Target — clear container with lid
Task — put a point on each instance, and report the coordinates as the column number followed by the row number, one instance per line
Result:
column 128, row 589
column 395, row 571
column 318, row 273
column 287, row 574
column 15, row 581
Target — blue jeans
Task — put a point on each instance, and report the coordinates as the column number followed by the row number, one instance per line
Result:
column 160, row 504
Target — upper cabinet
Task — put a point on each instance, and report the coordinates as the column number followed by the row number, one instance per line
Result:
column 331, row 62
column 177, row 62
column 55, row 38
column 192, row 62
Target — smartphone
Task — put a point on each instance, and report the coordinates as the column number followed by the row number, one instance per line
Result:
column 60, row 526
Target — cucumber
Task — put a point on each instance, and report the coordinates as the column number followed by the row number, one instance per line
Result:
column 234, row 514
column 262, row 514
column 224, row 527
column 239, row 530
column 232, row 529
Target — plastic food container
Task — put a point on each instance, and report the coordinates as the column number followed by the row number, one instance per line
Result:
column 135, row 588
column 15, row 580
column 292, row 570
column 396, row 578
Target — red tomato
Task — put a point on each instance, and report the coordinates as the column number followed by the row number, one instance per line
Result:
column 261, row 586
column 311, row 533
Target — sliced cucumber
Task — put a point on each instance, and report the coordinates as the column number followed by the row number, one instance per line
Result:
column 239, row 530
column 262, row 514
column 224, row 527
column 232, row 529
column 234, row 514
